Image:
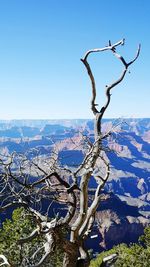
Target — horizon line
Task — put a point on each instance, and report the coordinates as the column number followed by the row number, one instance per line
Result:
column 50, row 119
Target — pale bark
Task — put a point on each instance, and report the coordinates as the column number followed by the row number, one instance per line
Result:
column 17, row 190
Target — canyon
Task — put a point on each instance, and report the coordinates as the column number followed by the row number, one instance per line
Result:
column 124, row 208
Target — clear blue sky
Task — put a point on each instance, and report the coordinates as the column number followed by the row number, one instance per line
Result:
column 41, row 43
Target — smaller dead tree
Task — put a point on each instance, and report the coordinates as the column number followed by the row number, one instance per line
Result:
column 54, row 183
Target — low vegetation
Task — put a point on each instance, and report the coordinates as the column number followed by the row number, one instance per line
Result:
column 19, row 227
column 137, row 255
column 21, row 224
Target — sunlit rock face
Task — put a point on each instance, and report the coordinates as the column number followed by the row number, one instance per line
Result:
column 117, row 222
column 126, row 209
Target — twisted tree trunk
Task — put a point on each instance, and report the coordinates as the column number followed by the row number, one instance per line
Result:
column 55, row 183
column 75, row 255
column 71, row 254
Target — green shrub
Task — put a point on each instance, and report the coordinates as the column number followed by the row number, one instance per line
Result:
column 135, row 255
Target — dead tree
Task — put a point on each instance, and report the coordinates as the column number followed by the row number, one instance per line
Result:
column 52, row 183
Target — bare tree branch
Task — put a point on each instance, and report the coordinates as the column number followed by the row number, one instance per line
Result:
column 28, row 184
column 5, row 261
